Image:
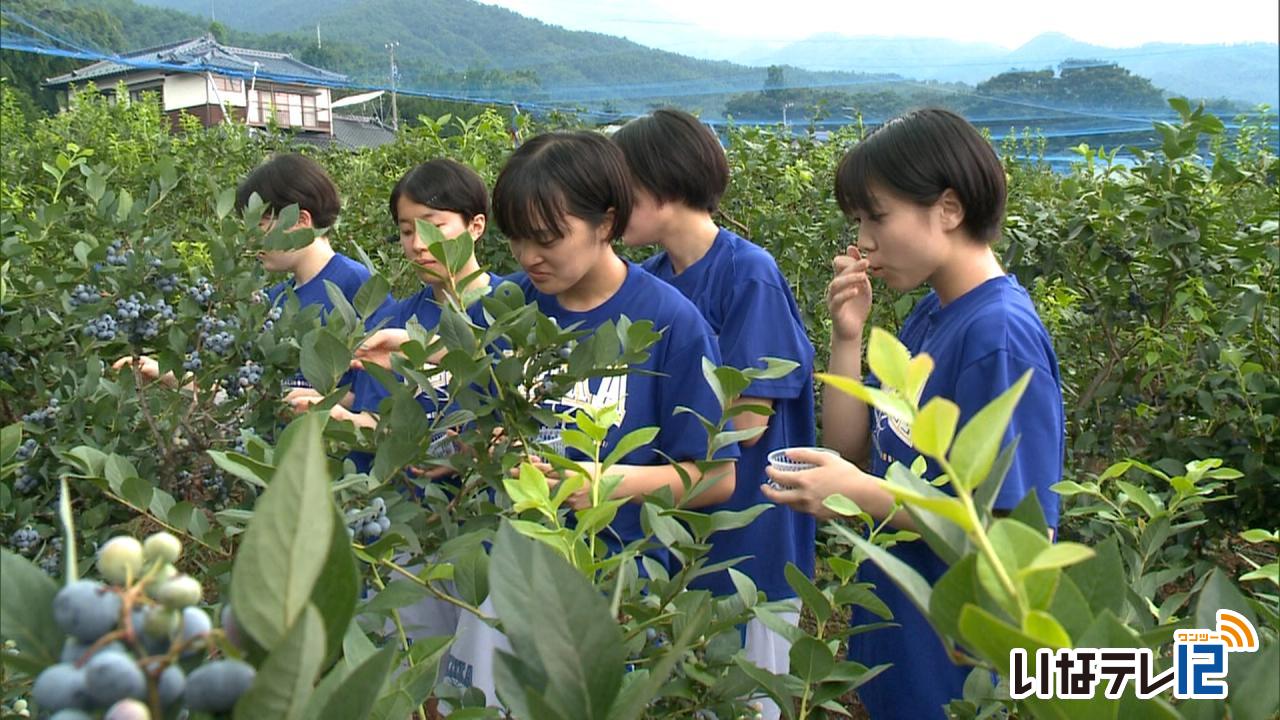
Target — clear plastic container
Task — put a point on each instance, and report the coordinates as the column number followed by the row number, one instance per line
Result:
column 779, row 460
column 551, row 439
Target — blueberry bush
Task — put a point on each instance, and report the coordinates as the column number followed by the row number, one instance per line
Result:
column 133, row 514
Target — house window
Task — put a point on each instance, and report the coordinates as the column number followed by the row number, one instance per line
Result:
column 290, row 109
column 228, row 84
column 309, row 111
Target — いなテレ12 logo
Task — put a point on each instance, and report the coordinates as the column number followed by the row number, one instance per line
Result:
column 1199, row 671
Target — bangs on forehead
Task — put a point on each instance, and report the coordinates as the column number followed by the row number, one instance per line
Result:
column 530, row 209
column 854, row 178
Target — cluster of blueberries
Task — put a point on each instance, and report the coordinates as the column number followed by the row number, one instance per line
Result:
column 117, row 255
column 44, row 415
column 123, row 648
column 368, row 524
column 219, row 337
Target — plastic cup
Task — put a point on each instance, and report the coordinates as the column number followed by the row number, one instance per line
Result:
column 442, row 445
column 779, row 460
column 294, row 382
column 551, row 439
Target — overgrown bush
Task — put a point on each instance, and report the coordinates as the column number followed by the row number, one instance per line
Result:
column 117, row 238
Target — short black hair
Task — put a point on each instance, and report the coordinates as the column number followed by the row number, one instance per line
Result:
column 293, row 179
column 443, row 184
column 920, row 155
column 676, row 158
column 558, row 174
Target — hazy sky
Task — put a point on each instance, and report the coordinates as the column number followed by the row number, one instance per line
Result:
column 677, row 25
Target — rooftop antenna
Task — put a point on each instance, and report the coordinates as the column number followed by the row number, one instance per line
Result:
column 212, row 16
column 318, row 45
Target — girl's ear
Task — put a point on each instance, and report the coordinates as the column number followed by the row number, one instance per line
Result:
column 604, row 231
column 476, row 226
column 950, row 210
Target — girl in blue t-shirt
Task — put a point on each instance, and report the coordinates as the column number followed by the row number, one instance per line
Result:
column 284, row 180
column 561, row 200
column 927, row 193
column 452, row 197
column 680, row 172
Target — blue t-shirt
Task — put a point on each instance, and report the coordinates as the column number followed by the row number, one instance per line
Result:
column 981, row 343
column 341, row 270
column 743, row 295
column 420, row 306
column 672, row 378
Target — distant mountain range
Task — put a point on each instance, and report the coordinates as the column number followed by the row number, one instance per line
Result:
column 1244, row 72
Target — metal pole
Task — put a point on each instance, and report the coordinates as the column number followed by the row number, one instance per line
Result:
column 395, row 111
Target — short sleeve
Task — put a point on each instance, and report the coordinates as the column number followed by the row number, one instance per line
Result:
column 681, row 436
column 1037, row 423
column 759, row 323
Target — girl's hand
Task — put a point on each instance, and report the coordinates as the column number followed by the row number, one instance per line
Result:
column 147, row 367
column 300, row 400
column 849, row 295
column 378, row 349
column 804, row 491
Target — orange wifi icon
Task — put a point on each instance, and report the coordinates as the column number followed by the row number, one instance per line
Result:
column 1237, row 632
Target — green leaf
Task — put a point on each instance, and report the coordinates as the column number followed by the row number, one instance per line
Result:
column 1059, row 555
column 942, row 505
column 1140, row 497
column 979, row 441
column 557, row 622
column 635, row 439
column 371, row 295
column 283, row 683
column 888, row 359
column 411, row 687
column 811, row 660
column 907, row 578
column 354, row 698
column 337, row 587
column 10, row 439
column 1101, row 579
column 324, row 358
column 957, row 588
column 1257, row 536
column 226, row 201
column 841, row 505
column 813, row 598
column 887, row 403
column 1043, row 627
column 1253, row 692
column 279, row 560
column 26, row 611
column 935, row 426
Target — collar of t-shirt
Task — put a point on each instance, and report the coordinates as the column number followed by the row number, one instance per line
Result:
column 610, row 309
column 938, row 313
column 667, row 271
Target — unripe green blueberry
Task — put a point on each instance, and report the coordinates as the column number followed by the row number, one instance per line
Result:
column 71, row 714
column 162, row 575
column 120, row 559
column 128, row 709
column 162, row 546
column 161, row 622
column 182, row 591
